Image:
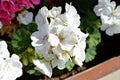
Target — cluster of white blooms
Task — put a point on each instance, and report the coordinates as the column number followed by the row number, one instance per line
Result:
column 25, row 17
column 10, row 67
column 58, row 39
column 110, row 16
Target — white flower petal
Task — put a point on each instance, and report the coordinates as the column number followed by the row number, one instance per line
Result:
column 113, row 30
column 4, row 53
column 11, row 68
column 104, row 27
column 54, row 41
column 67, row 38
column 39, row 19
column 61, row 64
column 56, row 62
column 43, row 66
column 79, row 55
column 70, row 9
column 40, row 40
column 73, row 19
column 44, row 11
column 61, row 54
column 55, row 11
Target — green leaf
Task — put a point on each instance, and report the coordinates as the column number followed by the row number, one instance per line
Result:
column 32, row 27
column 69, row 65
column 20, row 41
column 94, row 38
column 38, row 73
column 25, row 61
column 90, row 54
column 38, row 56
column 27, row 56
column 30, row 69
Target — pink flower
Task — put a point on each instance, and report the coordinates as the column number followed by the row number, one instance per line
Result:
column 36, row 2
column 7, row 5
column 10, row 7
column 29, row 4
column 5, row 17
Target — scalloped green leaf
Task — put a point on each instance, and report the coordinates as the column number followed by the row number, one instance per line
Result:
column 20, row 41
column 69, row 65
column 94, row 38
column 90, row 54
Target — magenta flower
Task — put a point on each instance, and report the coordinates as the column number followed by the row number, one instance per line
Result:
column 10, row 7
column 7, row 5
column 36, row 2
column 29, row 4
column 5, row 17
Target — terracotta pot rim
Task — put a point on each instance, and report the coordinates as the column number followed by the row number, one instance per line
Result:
column 99, row 70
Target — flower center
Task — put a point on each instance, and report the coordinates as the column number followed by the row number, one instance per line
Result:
column 60, row 37
column 112, row 14
column 7, row 67
column 45, row 37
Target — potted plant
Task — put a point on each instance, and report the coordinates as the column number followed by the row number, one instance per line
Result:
column 53, row 37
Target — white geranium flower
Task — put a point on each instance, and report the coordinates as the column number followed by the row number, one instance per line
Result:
column 111, row 14
column 1, row 24
column 40, row 40
column 25, row 17
column 4, row 53
column 10, row 68
column 58, row 39
column 111, row 29
column 102, row 6
column 43, row 66
column 53, row 39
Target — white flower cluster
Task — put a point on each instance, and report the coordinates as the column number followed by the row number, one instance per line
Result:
column 10, row 67
column 58, row 39
column 110, row 16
